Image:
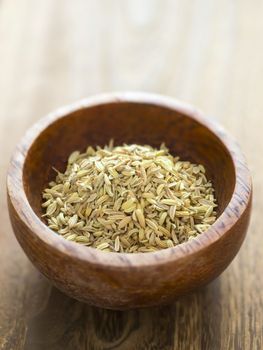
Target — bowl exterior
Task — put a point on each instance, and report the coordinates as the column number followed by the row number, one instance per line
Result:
column 127, row 287
column 118, row 280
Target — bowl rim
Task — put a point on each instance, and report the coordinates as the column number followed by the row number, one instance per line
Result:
column 239, row 201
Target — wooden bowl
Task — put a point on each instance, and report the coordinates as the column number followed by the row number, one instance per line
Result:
column 121, row 280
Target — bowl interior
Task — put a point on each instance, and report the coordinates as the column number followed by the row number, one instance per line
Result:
column 127, row 122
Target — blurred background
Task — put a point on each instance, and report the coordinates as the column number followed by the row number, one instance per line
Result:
column 208, row 53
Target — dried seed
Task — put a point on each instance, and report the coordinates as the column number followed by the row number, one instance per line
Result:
column 160, row 189
column 174, row 237
column 74, row 198
column 124, row 222
column 72, row 221
column 152, row 224
column 91, row 198
column 102, row 246
column 82, row 173
column 140, row 217
column 164, row 231
column 162, row 218
column 125, row 242
column 209, row 212
column 117, row 244
column 46, row 204
column 73, row 157
column 128, row 204
column 88, row 211
column 160, row 243
column 172, row 212
column 71, row 237
column 148, row 195
column 169, row 243
column 51, row 208
column 141, row 234
column 169, row 201
column 102, row 199
column 82, row 239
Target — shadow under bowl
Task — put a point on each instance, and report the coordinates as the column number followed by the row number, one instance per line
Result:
column 121, row 280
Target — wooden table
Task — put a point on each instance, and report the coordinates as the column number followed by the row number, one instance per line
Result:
column 209, row 53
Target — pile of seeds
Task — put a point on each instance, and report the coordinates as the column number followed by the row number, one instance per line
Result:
column 129, row 198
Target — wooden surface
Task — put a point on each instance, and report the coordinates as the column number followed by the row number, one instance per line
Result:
column 209, row 53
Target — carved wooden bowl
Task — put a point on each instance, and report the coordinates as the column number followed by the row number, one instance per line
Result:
column 121, row 280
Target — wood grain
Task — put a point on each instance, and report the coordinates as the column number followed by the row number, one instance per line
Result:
column 208, row 53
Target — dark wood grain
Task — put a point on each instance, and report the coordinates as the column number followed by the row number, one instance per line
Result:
column 64, row 323
column 206, row 52
column 119, row 280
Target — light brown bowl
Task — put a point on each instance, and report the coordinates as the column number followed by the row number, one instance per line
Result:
column 119, row 280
